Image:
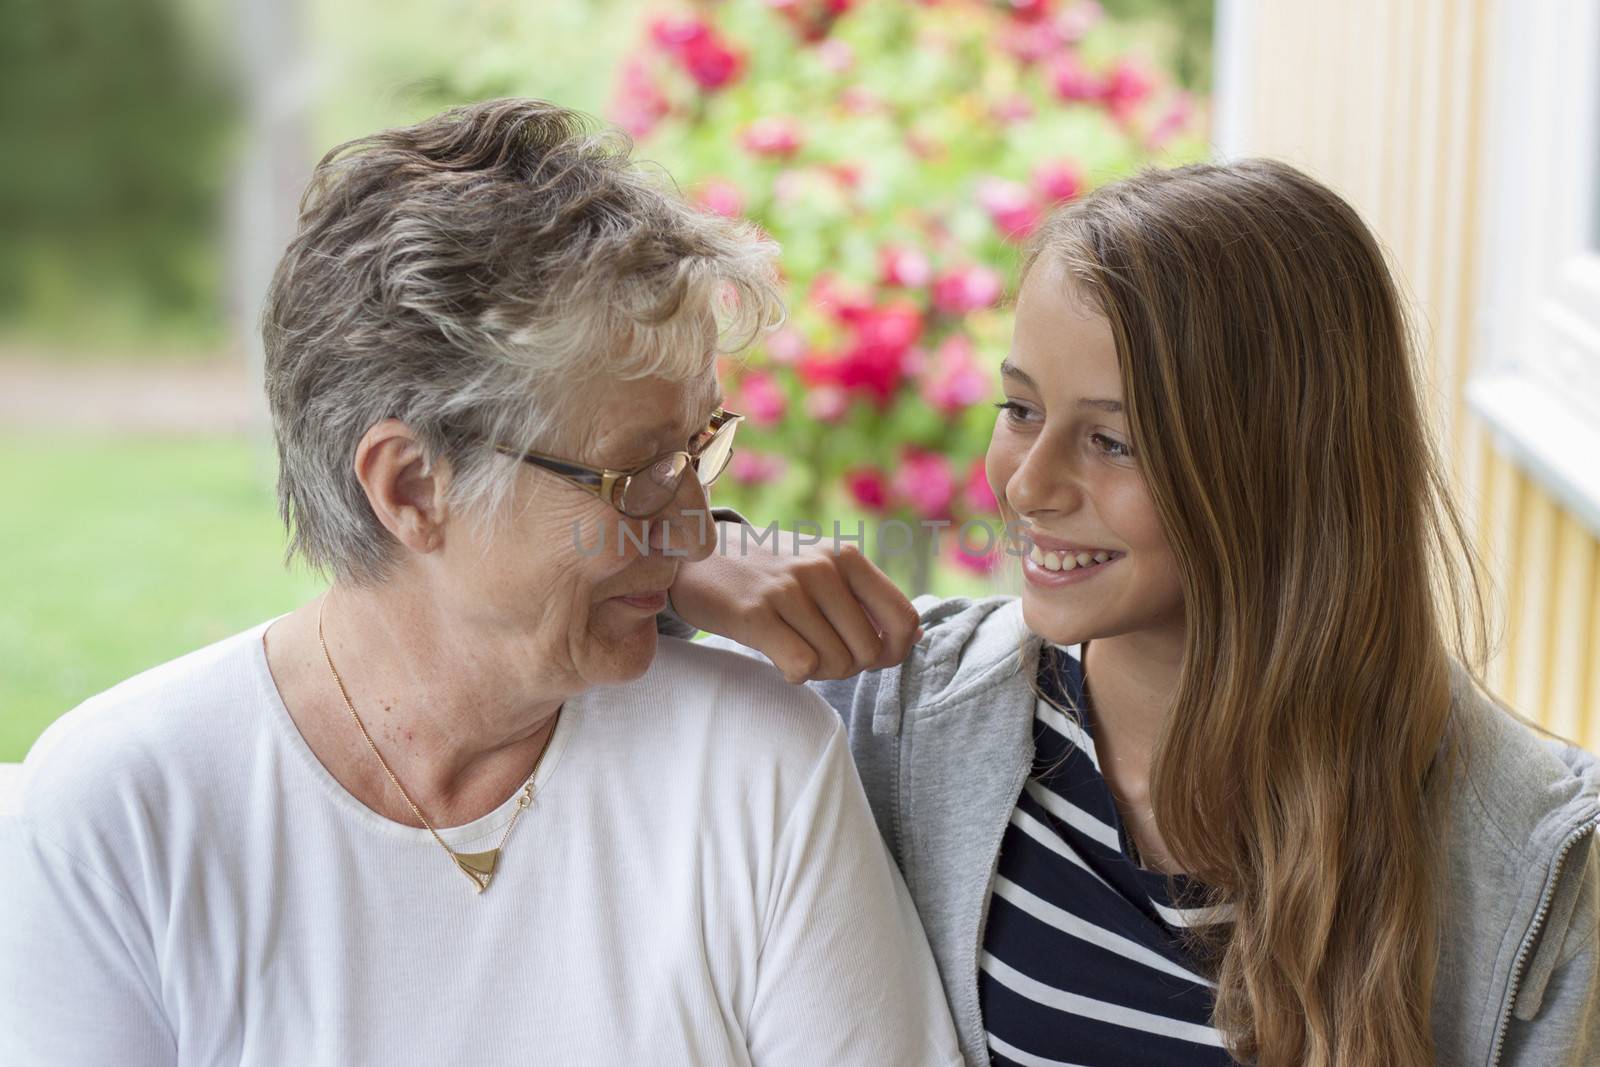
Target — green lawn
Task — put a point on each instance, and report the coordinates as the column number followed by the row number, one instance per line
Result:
column 120, row 554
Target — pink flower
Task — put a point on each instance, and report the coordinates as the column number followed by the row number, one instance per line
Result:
column 1029, row 10
column 827, row 403
column 897, row 325
column 1128, row 86
column 755, row 468
column 956, row 381
column 1058, row 181
column 872, row 370
column 838, row 298
column 772, row 138
column 1076, row 21
column 699, row 50
column 1013, row 109
column 712, row 64
column 856, row 100
column 964, row 289
column 1073, row 82
column 1031, row 40
column 673, row 35
column 836, row 57
column 1011, row 207
column 868, row 488
column 923, row 480
column 878, row 356
column 1171, row 123
column 639, row 102
column 971, row 561
column 720, row 197
column 904, row 267
column 761, row 399
column 977, row 494
column 786, row 346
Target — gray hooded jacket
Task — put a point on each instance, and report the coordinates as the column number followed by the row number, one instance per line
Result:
column 944, row 742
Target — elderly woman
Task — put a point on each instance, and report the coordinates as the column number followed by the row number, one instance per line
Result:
column 463, row 807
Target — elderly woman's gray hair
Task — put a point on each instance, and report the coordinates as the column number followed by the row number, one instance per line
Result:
column 468, row 275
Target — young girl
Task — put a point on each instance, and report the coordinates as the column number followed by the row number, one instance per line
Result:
column 1224, row 783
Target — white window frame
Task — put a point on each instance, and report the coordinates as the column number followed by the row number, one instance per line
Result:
column 1536, row 379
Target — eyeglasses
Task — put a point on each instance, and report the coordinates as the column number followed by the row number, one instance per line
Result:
column 646, row 492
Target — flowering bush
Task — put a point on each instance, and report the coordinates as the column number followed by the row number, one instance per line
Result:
column 898, row 151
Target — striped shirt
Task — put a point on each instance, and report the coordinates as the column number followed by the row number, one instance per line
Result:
column 1082, row 964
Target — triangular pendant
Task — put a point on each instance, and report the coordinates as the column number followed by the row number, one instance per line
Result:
column 479, row 866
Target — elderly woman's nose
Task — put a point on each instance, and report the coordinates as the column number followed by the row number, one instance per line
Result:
column 686, row 528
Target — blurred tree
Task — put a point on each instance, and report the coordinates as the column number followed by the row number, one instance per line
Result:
column 115, row 127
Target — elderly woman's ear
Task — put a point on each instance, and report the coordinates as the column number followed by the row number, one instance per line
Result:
column 406, row 495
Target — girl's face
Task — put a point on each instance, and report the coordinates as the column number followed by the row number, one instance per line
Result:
column 1062, row 465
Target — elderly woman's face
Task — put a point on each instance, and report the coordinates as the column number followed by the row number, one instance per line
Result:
column 544, row 583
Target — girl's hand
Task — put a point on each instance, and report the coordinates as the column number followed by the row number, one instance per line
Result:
column 816, row 613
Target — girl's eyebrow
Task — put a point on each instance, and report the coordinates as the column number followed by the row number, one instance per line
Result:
column 1011, row 370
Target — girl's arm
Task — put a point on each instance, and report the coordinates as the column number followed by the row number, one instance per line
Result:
column 816, row 613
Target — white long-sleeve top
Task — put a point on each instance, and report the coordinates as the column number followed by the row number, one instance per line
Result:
column 698, row 881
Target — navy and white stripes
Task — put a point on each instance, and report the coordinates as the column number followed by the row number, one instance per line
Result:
column 1082, row 964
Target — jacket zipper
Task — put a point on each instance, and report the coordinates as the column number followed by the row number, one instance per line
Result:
column 1533, row 936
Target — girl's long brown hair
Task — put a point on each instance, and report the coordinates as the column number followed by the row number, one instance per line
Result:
column 1276, row 406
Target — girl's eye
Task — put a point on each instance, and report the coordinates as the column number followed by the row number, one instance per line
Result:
column 1013, row 410
column 1111, row 446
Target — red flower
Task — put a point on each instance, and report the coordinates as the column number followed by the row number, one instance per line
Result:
column 1073, row 82
column 906, row 268
column 840, row 299
column 984, row 564
column 1128, row 86
column 761, row 399
column 639, row 102
column 924, row 482
column 977, row 494
column 720, row 197
column 1028, row 10
column 1177, row 116
column 1058, row 181
column 956, row 381
column 965, row 289
column 755, row 468
column 897, row 325
column 772, row 138
column 699, row 50
column 1011, row 207
column 868, row 487
column 786, row 346
column 827, row 403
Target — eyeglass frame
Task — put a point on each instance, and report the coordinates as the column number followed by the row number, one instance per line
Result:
column 609, row 484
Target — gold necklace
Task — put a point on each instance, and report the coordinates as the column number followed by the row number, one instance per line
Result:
column 477, row 866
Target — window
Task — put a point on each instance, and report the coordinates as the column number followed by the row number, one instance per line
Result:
column 1537, row 380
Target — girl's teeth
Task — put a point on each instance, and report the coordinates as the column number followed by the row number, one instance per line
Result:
column 1064, row 561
